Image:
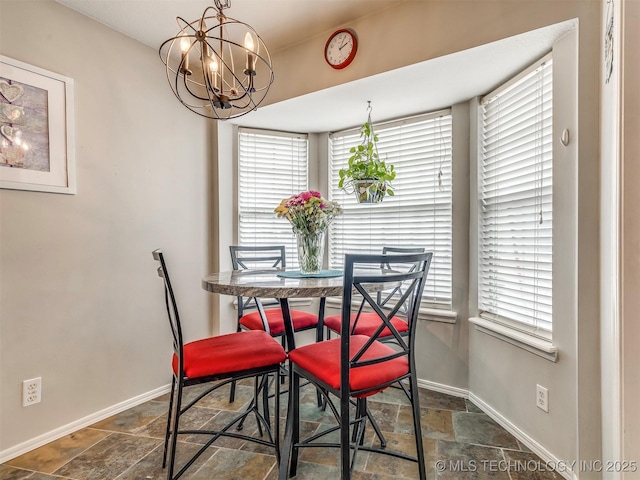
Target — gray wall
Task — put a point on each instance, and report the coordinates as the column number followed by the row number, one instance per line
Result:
column 81, row 305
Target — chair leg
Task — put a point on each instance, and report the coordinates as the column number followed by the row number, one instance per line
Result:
column 288, row 460
column 232, row 392
column 345, row 463
column 415, row 404
column 166, row 437
column 276, row 416
column 175, row 420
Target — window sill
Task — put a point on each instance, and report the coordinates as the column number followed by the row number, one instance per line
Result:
column 538, row 346
column 427, row 314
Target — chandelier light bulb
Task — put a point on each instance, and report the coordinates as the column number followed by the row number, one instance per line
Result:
column 213, row 68
column 248, row 42
column 185, row 43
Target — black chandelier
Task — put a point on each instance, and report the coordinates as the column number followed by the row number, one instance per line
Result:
column 220, row 72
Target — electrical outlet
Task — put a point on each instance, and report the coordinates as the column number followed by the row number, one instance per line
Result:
column 31, row 391
column 542, row 398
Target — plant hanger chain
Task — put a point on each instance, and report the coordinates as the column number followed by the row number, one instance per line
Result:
column 373, row 134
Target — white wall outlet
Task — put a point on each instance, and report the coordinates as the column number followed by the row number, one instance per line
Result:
column 542, row 398
column 31, row 391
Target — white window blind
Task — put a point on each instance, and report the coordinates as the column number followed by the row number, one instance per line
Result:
column 419, row 215
column 516, row 208
column 271, row 166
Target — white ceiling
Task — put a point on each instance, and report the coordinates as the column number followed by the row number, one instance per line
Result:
column 279, row 22
column 429, row 85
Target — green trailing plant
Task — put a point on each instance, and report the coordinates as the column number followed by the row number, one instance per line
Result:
column 365, row 164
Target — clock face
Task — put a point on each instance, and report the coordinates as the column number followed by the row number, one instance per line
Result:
column 340, row 49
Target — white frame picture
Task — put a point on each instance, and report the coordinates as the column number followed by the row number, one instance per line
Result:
column 55, row 128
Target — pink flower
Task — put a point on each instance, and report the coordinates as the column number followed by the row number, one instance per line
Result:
column 308, row 212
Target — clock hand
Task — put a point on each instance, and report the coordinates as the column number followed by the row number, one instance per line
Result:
column 343, row 45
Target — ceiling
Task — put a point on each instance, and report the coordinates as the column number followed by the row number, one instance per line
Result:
column 434, row 84
column 280, row 23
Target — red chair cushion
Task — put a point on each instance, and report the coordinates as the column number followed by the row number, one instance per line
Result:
column 230, row 353
column 301, row 320
column 322, row 360
column 367, row 324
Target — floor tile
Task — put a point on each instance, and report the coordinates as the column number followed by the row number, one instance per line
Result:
column 10, row 473
column 310, row 471
column 109, row 457
column 219, row 399
column 328, row 455
column 456, row 460
column 234, row 464
column 150, row 467
column 385, row 414
column 435, row 424
column 441, row 401
column 50, row 457
column 480, row 429
column 401, row 468
column 193, row 419
column 131, row 420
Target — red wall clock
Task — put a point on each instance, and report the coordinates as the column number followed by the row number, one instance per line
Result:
column 340, row 49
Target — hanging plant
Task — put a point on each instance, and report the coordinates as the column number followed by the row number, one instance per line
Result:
column 366, row 175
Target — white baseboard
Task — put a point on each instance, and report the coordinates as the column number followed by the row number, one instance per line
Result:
column 522, row 437
column 439, row 387
column 22, row 448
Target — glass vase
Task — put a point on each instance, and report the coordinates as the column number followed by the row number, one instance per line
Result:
column 310, row 251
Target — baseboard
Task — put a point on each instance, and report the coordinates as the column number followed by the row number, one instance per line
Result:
column 439, row 387
column 522, row 437
column 22, row 448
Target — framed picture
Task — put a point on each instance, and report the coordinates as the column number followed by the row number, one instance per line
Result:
column 36, row 129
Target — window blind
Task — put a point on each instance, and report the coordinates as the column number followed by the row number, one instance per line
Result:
column 516, row 207
column 419, row 215
column 271, row 166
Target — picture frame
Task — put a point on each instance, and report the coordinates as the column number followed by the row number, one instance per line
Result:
column 37, row 138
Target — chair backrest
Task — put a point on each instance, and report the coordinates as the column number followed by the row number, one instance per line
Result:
column 394, row 290
column 257, row 258
column 254, row 258
column 364, row 275
column 172, row 307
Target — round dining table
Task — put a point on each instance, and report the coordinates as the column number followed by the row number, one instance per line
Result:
column 280, row 284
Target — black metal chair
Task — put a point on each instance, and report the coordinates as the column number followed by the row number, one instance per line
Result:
column 354, row 367
column 218, row 360
column 365, row 323
column 252, row 314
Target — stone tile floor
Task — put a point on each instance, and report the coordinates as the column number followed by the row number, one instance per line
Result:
column 460, row 442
